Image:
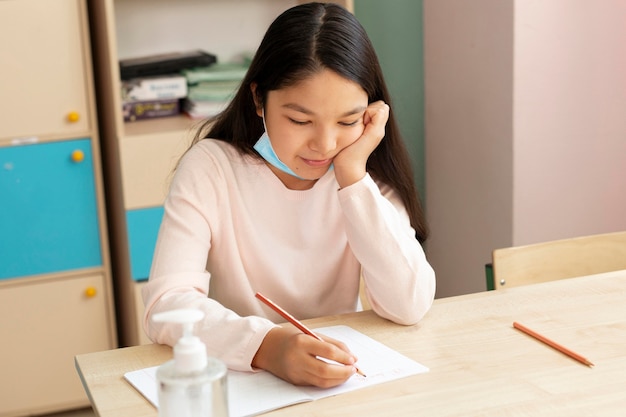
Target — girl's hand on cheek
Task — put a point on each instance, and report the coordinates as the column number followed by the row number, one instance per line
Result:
column 351, row 161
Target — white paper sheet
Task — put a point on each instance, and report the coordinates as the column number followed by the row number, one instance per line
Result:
column 250, row 394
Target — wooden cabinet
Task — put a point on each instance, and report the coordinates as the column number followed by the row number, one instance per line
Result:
column 45, row 324
column 140, row 156
column 55, row 281
column 44, row 80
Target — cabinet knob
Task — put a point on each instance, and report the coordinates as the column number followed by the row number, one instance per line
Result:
column 90, row 292
column 78, row 155
column 73, row 117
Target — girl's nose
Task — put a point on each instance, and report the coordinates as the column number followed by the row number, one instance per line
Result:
column 324, row 141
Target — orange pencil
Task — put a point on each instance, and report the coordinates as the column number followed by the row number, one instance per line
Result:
column 291, row 319
column 552, row 344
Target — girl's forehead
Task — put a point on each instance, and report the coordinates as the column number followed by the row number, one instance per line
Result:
column 324, row 88
column 323, row 76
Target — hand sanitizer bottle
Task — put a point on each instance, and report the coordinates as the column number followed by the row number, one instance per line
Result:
column 192, row 384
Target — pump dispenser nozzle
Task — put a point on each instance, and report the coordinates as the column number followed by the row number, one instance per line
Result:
column 189, row 351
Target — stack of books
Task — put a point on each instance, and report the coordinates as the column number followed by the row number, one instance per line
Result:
column 193, row 83
column 152, row 85
column 152, row 96
column 211, row 88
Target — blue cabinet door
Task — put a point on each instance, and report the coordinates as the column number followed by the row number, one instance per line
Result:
column 48, row 209
column 143, row 230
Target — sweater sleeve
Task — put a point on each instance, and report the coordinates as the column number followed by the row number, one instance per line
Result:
column 399, row 280
column 178, row 277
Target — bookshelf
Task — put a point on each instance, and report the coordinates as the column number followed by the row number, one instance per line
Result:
column 56, row 296
column 140, row 156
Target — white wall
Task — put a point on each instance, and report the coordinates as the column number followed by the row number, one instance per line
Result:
column 147, row 27
column 525, row 127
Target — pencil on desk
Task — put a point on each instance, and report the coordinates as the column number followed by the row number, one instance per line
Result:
column 291, row 319
column 552, row 344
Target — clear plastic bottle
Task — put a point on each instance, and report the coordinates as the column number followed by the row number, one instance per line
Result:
column 192, row 384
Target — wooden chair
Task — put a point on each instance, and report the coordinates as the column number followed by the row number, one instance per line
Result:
column 558, row 259
column 365, row 304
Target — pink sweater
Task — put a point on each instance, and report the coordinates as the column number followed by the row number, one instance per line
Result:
column 231, row 228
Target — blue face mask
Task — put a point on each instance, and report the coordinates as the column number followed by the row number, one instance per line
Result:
column 264, row 148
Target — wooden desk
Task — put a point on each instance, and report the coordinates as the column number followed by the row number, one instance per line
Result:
column 479, row 365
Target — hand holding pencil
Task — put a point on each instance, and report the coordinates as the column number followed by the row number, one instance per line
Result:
column 293, row 354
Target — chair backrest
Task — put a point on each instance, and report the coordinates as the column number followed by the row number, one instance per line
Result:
column 365, row 304
column 558, row 259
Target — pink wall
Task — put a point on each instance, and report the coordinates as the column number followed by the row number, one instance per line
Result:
column 525, row 127
column 569, row 119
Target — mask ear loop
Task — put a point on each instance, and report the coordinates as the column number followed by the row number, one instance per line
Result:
column 263, row 118
column 266, row 150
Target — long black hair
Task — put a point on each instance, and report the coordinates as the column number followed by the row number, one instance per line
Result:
column 302, row 41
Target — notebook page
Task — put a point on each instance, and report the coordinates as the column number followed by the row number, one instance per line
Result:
column 378, row 362
column 255, row 393
column 249, row 393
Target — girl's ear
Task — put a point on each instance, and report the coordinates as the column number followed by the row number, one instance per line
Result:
column 257, row 103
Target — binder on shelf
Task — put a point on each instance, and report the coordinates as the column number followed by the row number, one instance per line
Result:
column 215, row 73
column 164, row 63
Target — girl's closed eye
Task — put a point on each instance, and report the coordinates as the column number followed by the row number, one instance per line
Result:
column 353, row 123
column 298, row 122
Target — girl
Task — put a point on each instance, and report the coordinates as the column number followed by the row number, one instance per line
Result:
column 300, row 187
